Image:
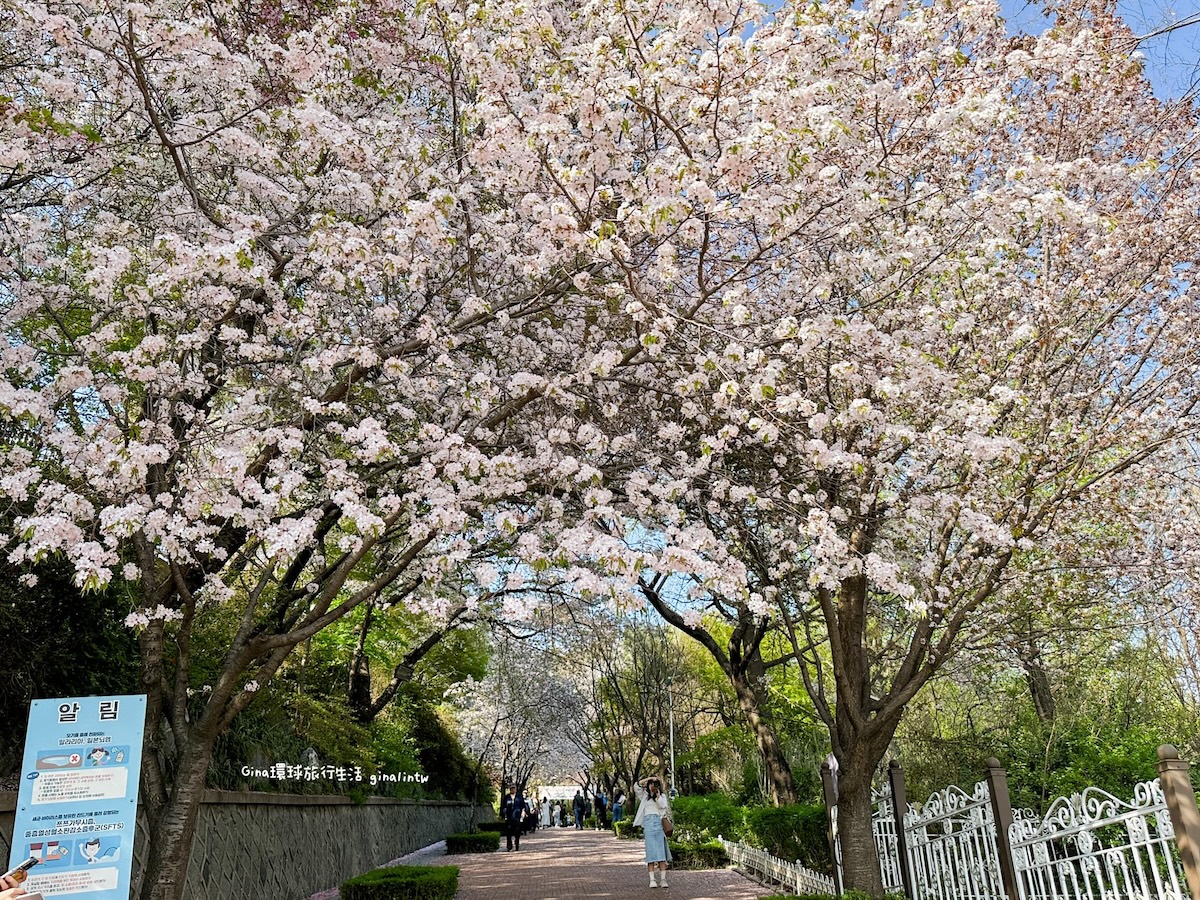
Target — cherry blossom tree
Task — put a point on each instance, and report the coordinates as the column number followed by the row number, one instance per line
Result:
column 526, row 717
column 913, row 307
column 832, row 312
column 277, row 330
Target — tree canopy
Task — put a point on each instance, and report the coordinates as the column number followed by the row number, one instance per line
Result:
column 834, row 319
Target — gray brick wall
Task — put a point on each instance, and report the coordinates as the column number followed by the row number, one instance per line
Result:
column 288, row 847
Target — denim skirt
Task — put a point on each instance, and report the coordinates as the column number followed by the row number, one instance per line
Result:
column 656, row 842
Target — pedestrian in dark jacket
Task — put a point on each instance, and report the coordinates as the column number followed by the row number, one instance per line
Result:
column 512, row 814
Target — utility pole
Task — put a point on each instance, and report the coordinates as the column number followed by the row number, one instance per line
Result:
column 671, row 731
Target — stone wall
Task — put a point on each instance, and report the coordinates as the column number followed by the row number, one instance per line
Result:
column 288, row 847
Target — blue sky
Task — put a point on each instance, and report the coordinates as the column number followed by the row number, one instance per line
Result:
column 1172, row 59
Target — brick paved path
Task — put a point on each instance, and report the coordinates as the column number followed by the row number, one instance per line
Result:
column 565, row 864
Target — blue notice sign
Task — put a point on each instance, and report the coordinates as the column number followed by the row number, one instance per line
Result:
column 77, row 803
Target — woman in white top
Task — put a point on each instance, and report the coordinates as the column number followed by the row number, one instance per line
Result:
column 545, row 823
column 652, row 806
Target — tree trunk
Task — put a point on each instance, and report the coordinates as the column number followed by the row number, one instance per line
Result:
column 779, row 773
column 171, row 837
column 358, row 695
column 1039, row 684
column 860, row 863
column 860, row 744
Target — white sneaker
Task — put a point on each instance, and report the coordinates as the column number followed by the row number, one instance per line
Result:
column 663, row 883
column 653, row 882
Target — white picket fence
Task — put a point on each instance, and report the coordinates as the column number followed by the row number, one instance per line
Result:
column 765, row 867
column 1091, row 846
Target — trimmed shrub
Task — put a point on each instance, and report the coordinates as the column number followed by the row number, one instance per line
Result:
column 626, row 831
column 709, row 816
column 791, row 833
column 497, row 827
column 698, row 855
column 473, row 842
column 403, row 883
column 590, row 822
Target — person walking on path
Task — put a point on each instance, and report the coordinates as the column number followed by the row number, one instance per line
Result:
column 652, row 806
column 618, row 806
column 545, row 812
column 577, row 809
column 512, row 812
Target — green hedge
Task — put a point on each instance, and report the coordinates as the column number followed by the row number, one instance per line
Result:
column 475, row 842
column 403, row 883
column 791, row 833
column 708, row 816
column 626, row 831
column 497, row 827
column 698, row 855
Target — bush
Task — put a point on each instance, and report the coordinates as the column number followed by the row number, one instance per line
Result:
column 590, row 822
column 709, row 816
column 473, row 842
column 626, row 831
column 698, row 855
column 497, row 827
column 791, row 833
column 404, row 883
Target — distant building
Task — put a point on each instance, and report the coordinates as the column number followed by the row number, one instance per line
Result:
column 557, row 791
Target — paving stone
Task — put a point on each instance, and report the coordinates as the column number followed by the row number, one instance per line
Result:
column 565, row 864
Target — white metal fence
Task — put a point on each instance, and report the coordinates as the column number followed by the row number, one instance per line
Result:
column 790, row 876
column 952, row 845
column 883, row 824
column 1091, row 846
